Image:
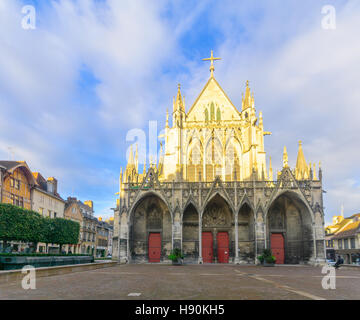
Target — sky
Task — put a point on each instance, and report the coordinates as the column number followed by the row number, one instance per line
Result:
column 91, row 71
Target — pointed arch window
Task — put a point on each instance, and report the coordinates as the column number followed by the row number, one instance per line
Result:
column 218, row 114
column 206, row 115
column 212, row 111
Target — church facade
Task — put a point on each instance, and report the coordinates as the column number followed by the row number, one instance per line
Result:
column 213, row 195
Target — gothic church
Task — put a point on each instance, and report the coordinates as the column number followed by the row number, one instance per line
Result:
column 213, row 195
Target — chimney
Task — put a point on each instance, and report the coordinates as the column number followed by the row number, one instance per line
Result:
column 52, row 185
column 90, row 204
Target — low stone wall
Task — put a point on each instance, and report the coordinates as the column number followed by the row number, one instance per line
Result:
column 17, row 262
column 351, row 266
column 17, row 275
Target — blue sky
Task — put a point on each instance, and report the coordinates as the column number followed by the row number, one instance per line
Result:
column 71, row 89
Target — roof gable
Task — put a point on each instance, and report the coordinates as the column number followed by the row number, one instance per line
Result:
column 212, row 93
column 40, row 180
column 11, row 166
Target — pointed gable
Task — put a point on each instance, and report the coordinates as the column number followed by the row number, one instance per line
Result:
column 211, row 104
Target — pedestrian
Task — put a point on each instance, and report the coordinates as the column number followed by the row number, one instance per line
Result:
column 339, row 262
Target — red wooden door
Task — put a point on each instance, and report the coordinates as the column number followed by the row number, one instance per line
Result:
column 207, row 247
column 154, row 247
column 277, row 247
column 223, row 247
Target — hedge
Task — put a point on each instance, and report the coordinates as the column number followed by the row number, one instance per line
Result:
column 18, row 224
column 44, row 255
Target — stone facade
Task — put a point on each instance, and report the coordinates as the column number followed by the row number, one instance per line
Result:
column 249, row 211
column 45, row 198
column 47, row 201
column 103, row 233
column 342, row 238
column 17, row 183
column 82, row 212
column 212, row 178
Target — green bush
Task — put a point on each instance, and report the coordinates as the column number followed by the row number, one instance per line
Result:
column 18, row 224
column 267, row 256
column 270, row 259
column 176, row 254
column 41, row 255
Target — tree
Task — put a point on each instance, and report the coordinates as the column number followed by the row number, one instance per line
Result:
column 18, row 224
column 63, row 231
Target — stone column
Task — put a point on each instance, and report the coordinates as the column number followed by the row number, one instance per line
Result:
column 260, row 234
column 320, row 238
column 237, row 260
column 124, row 245
column 313, row 257
column 200, row 259
column 176, row 231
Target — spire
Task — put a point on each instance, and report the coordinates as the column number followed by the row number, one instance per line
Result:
column 314, row 172
column 179, row 109
column 161, row 160
column 144, row 171
column 261, row 120
column 179, row 102
column 285, row 159
column 301, row 166
column 131, row 156
column 120, row 178
column 136, row 159
column 271, row 176
column 247, row 101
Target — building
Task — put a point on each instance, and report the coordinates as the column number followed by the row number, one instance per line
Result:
column 212, row 192
column 111, row 235
column 104, row 233
column 82, row 212
column 47, row 201
column 343, row 239
column 17, row 183
column 72, row 212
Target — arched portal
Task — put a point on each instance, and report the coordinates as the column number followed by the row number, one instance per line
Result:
column 290, row 234
column 218, row 236
column 150, row 238
column 246, row 233
column 190, row 234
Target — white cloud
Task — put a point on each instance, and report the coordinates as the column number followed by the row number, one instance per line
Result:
column 43, row 118
column 304, row 79
column 303, row 76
